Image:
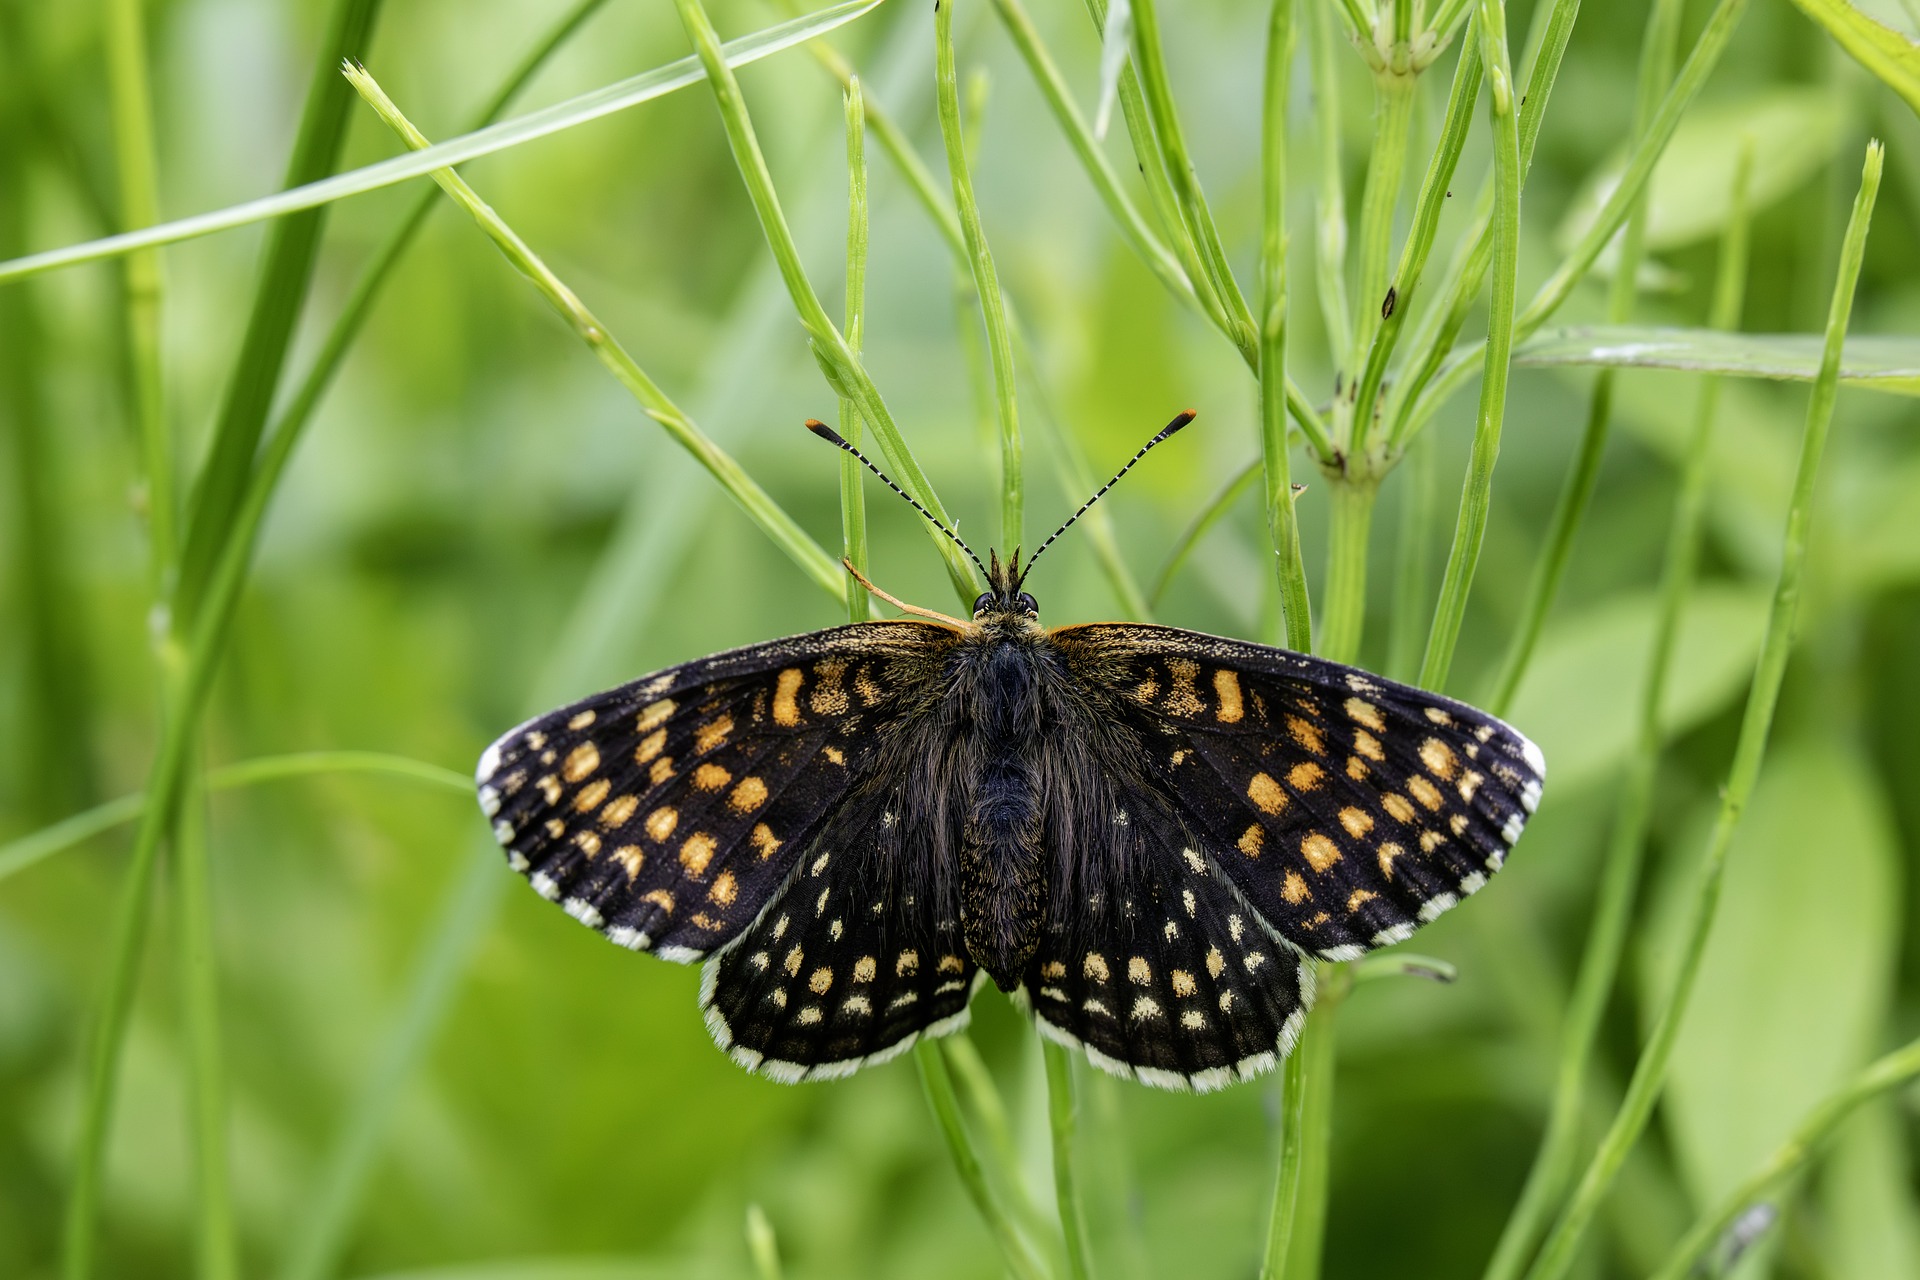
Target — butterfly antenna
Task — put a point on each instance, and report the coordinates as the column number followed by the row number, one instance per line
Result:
column 833, row 437
column 1185, row 416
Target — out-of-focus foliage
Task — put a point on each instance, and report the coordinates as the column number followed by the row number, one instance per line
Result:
column 476, row 489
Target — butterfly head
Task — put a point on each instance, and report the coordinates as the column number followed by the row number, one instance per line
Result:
column 1006, row 599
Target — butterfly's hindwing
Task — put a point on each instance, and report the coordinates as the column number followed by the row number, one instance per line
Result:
column 842, row 970
column 1167, row 976
column 668, row 812
column 1349, row 809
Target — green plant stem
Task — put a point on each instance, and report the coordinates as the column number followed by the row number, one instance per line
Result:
column 1189, row 198
column 1452, row 369
column 853, row 499
column 1620, row 871
column 1411, row 558
column 216, row 1250
column 130, row 97
column 1649, row 1075
column 1330, row 220
column 1283, row 524
column 1286, row 1185
column 283, row 282
column 1343, row 611
column 1431, row 203
column 1208, row 516
column 1657, row 55
column 1014, row 1248
column 986, row 281
column 762, row 1245
column 1888, row 1073
column 842, row 369
column 285, row 275
column 583, row 109
column 1315, row 1106
column 1053, row 86
column 759, row 506
column 1393, row 97
column 990, row 1110
column 1476, row 495
column 1547, row 40
column 1062, row 1116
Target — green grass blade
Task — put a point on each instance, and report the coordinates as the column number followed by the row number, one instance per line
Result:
column 853, row 498
column 986, row 283
column 843, row 372
column 1477, row 494
column 1063, row 1110
column 1015, row 1250
column 1872, row 362
column 286, row 273
column 772, row 519
column 580, row 110
column 1892, row 58
column 1208, row 516
column 1557, row 1253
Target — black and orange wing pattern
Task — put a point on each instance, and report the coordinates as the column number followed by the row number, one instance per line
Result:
column 668, row 813
column 1346, row 808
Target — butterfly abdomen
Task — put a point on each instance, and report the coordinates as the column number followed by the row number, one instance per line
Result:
column 1003, row 873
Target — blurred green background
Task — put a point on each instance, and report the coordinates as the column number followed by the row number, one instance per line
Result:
column 478, row 503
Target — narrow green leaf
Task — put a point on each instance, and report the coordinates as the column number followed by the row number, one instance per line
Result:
column 630, row 92
column 1892, row 57
column 1879, row 362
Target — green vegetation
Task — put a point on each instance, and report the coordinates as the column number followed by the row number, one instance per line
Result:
column 306, row 496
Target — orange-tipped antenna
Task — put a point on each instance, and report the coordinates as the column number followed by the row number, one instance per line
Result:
column 1185, row 416
column 833, row 437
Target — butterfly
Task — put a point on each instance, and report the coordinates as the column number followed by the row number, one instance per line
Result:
column 1145, row 835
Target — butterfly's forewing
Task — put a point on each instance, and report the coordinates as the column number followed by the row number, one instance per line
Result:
column 669, row 812
column 1166, row 976
column 1348, row 809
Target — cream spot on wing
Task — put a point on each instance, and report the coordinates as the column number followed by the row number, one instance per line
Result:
column 1367, row 714
column 660, row 770
column 1368, row 745
column 1469, row 783
column 1356, row 768
column 1305, row 776
column 650, row 747
column 765, row 843
column 1095, row 966
column 556, row 828
column 864, row 968
column 1266, row 793
column 1439, row 758
column 1143, row 1008
column 712, row 733
column 1457, row 824
column 1138, row 971
column 822, row 979
column 696, row 851
column 1319, row 851
column 834, row 755
column 1181, row 698
column 1425, row 792
column 1251, row 840
column 1235, row 927
column 662, row 821
column 582, row 720
column 1307, row 734
column 1397, row 805
column 537, row 740
column 1357, row 821
column 1357, row 898
column 652, row 717
column 1193, row 1019
column 661, row 899
column 549, row 789
column 1053, row 969
column 908, row 962
column 1183, row 984
column 828, row 698
column 808, row 1015
column 748, row 796
column 618, row 810
column 1226, row 687
column 950, row 964
column 1439, row 716
column 711, row 777
column 725, row 889
column 786, row 712
column 1294, row 888
column 630, row 857
column 1386, row 853
column 588, row 842
column 858, row 1006
column 1431, row 840
column 1216, row 963
column 794, row 957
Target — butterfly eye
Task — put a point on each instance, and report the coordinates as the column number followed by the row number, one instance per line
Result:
column 980, row 603
column 1027, row 605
